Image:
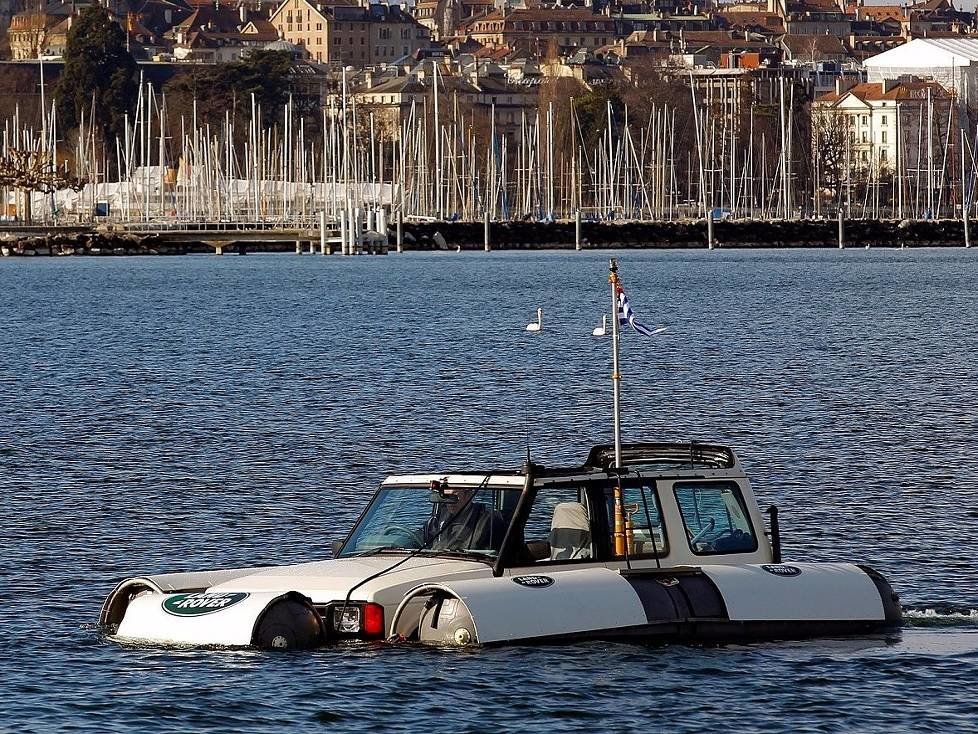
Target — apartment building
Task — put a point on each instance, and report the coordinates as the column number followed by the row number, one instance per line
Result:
column 883, row 126
column 350, row 34
column 543, row 32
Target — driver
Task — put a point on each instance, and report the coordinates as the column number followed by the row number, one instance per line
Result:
column 463, row 524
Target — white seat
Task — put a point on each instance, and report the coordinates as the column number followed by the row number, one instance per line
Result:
column 570, row 532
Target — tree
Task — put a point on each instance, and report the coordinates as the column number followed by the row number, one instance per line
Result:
column 228, row 88
column 99, row 77
column 831, row 131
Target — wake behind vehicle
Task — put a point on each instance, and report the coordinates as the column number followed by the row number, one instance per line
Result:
column 641, row 541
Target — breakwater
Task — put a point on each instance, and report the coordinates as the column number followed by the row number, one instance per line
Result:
column 690, row 234
column 524, row 235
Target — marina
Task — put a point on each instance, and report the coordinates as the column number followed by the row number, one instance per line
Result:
column 358, row 177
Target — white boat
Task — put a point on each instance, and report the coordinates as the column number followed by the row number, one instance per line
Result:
column 644, row 540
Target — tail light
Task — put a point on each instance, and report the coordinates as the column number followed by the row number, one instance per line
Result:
column 364, row 620
column 373, row 620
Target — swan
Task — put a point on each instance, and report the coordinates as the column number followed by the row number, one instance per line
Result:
column 603, row 329
column 539, row 322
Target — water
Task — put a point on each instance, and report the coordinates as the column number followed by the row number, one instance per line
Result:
column 166, row 414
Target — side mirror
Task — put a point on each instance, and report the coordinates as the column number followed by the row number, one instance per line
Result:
column 337, row 546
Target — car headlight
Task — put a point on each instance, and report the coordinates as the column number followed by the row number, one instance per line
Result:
column 360, row 619
column 346, row 620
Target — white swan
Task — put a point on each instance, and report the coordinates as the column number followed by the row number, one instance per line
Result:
column 603, row 329
column 539, row 322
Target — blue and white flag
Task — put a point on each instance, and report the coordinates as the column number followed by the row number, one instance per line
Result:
column 627, row 316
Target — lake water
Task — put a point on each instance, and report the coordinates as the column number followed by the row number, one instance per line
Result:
column 165, row 414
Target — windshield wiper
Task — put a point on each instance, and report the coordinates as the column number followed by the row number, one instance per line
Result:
column 378, row 550
column 468, row 555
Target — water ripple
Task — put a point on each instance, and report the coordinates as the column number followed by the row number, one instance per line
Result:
column 203, row 412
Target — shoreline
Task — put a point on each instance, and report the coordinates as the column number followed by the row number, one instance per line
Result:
column 425, row 236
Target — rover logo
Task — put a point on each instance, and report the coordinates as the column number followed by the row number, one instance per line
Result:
column 781, row 569
column 194, row 605
column 533, row 582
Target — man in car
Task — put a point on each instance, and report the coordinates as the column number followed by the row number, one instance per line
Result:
column 458, row 522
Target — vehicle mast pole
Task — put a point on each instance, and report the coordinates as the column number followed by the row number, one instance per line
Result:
column 615, row 376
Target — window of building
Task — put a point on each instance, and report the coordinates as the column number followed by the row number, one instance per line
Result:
column 865, row 156
column 865, row 136
column 883, row 155
column 715, row 517
column 319, row 26
column 865, row 119
column 883, row 136
column 883, row 121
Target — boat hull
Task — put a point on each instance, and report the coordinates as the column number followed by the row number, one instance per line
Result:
column 764, row 601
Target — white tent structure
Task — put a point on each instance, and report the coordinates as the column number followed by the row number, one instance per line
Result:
column 951, row 62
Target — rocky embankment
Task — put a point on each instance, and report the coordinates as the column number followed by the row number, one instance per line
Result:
column 688, row 234
column 535, row 236
column 92, row 243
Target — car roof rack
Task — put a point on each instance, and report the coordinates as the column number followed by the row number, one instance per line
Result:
column 660, row 456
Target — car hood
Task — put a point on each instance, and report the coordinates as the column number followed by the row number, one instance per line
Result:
column 325, row 581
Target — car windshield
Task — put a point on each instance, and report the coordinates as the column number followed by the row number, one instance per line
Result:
column 436, row 518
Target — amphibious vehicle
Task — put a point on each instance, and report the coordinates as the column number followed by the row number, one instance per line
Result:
column 666, row 542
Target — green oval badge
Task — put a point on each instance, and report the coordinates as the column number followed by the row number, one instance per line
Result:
column 194, row 605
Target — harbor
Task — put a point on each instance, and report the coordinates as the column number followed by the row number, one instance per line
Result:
column 592, row 172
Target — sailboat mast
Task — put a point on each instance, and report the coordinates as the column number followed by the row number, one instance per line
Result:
column 615, row 376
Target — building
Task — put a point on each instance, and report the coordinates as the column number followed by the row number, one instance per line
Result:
column 444, row 17
column 480, row 86
column 35, row 33
column 812, row 49
column 952, row 62
column 219, row 34
column 350, row 34
column 543, row 32
column 883, row 127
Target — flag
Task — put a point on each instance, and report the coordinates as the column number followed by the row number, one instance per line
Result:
column 627, row 316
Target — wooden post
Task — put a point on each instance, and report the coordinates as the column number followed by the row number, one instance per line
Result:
column 322, row 232
column 709, row 230
column 485, row 232
column 842, row 231
column 400, row 231
column 577, row 229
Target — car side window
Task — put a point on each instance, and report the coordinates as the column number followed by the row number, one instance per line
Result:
column 558, row 527
column 715, row 518
column 637, row 526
